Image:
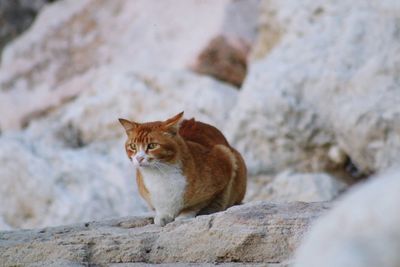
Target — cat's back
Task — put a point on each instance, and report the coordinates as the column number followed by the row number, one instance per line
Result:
column 202, row 133
column 220, row 172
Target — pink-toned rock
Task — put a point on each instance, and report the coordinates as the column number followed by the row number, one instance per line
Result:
column 55, row 60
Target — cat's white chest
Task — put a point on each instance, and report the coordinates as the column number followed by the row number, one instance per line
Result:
column 167, row 188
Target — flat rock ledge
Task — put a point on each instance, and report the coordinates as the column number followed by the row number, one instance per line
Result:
column 257, row 233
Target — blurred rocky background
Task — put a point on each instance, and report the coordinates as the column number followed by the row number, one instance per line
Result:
column 16, row 16
column 308, row 91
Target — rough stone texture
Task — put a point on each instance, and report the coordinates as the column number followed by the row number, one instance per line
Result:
column 68, row 80
column 288, row 186
column 140, row 96
column 362, row 230
column 16, row 17
column 320, row 96
column 328, row 79
column 241, row 19
column 71, row 166
column 46, row 185
column 56, row 59
column 225, row 59
column 256, row 232
column 231, row 264
column 4, row 226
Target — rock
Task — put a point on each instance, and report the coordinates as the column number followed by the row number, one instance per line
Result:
column 224, row 59
column 4, row 226
column 69, row 264
column 318, row 97
column 225, row 56
column 45, row 184
column 71, row 165
column 288, row 186
column 16, row 17
column 54, row 61
column 256, row 188
column 140, row 96
column 70, row 77
column 326, row 81
column 362, row 229
column 259, row 232
column 241, row 20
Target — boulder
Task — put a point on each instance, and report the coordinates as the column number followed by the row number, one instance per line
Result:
column 45, row 184
column 289, row 186
column 254, row 233
column 137, row 95
column 70, row 77
column 224, row 58
column 362, row 229
column 326, row 79
column 55, row 60
column 71, row 165
column 3, row 225
column 16, row 17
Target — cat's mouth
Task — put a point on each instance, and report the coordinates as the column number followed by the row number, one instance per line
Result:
column 142, row 164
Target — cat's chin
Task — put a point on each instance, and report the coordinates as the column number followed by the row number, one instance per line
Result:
column 145, row 166
column 141, row 165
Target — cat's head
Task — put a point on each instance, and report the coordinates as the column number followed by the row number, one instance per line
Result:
column 151, row 144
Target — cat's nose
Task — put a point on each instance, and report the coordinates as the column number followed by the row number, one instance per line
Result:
column 140, row 159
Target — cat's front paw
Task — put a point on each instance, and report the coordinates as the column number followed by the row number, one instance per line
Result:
column 186, row 215
column 162, row 220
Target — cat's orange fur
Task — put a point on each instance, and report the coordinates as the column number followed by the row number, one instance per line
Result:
column 214, row 173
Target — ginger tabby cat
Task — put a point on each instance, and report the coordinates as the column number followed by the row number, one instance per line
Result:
column 184, row 167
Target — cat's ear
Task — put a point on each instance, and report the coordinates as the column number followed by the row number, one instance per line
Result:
column 128, row 125
column 172, row 124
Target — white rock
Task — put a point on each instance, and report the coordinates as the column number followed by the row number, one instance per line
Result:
column 288, row 187
column 329, row 80
column 53, row 61
column 256, row 234
column 362, row 230
column 78, row 69
column 71, row 165
column 45, row 184
column 93, row 116
column 337, row 155
column 4, row 226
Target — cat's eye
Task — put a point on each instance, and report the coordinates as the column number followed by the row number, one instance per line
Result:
column 152, row 146
column 132, row 147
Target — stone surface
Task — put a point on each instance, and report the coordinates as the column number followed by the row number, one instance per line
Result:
column 241, row 19
column 67, row 81
column 288, row 186
column 320, row 96
column 140, row 96
column 54, row 61
column 254, row 233
column 224, row 58
column 362, row 229
column 71, row 165
column 3, row 225
column 53, row 185
column 16, row 17
column 231, row 264
column 327, row 79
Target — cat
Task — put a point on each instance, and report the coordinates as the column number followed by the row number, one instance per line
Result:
column 184, row 168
